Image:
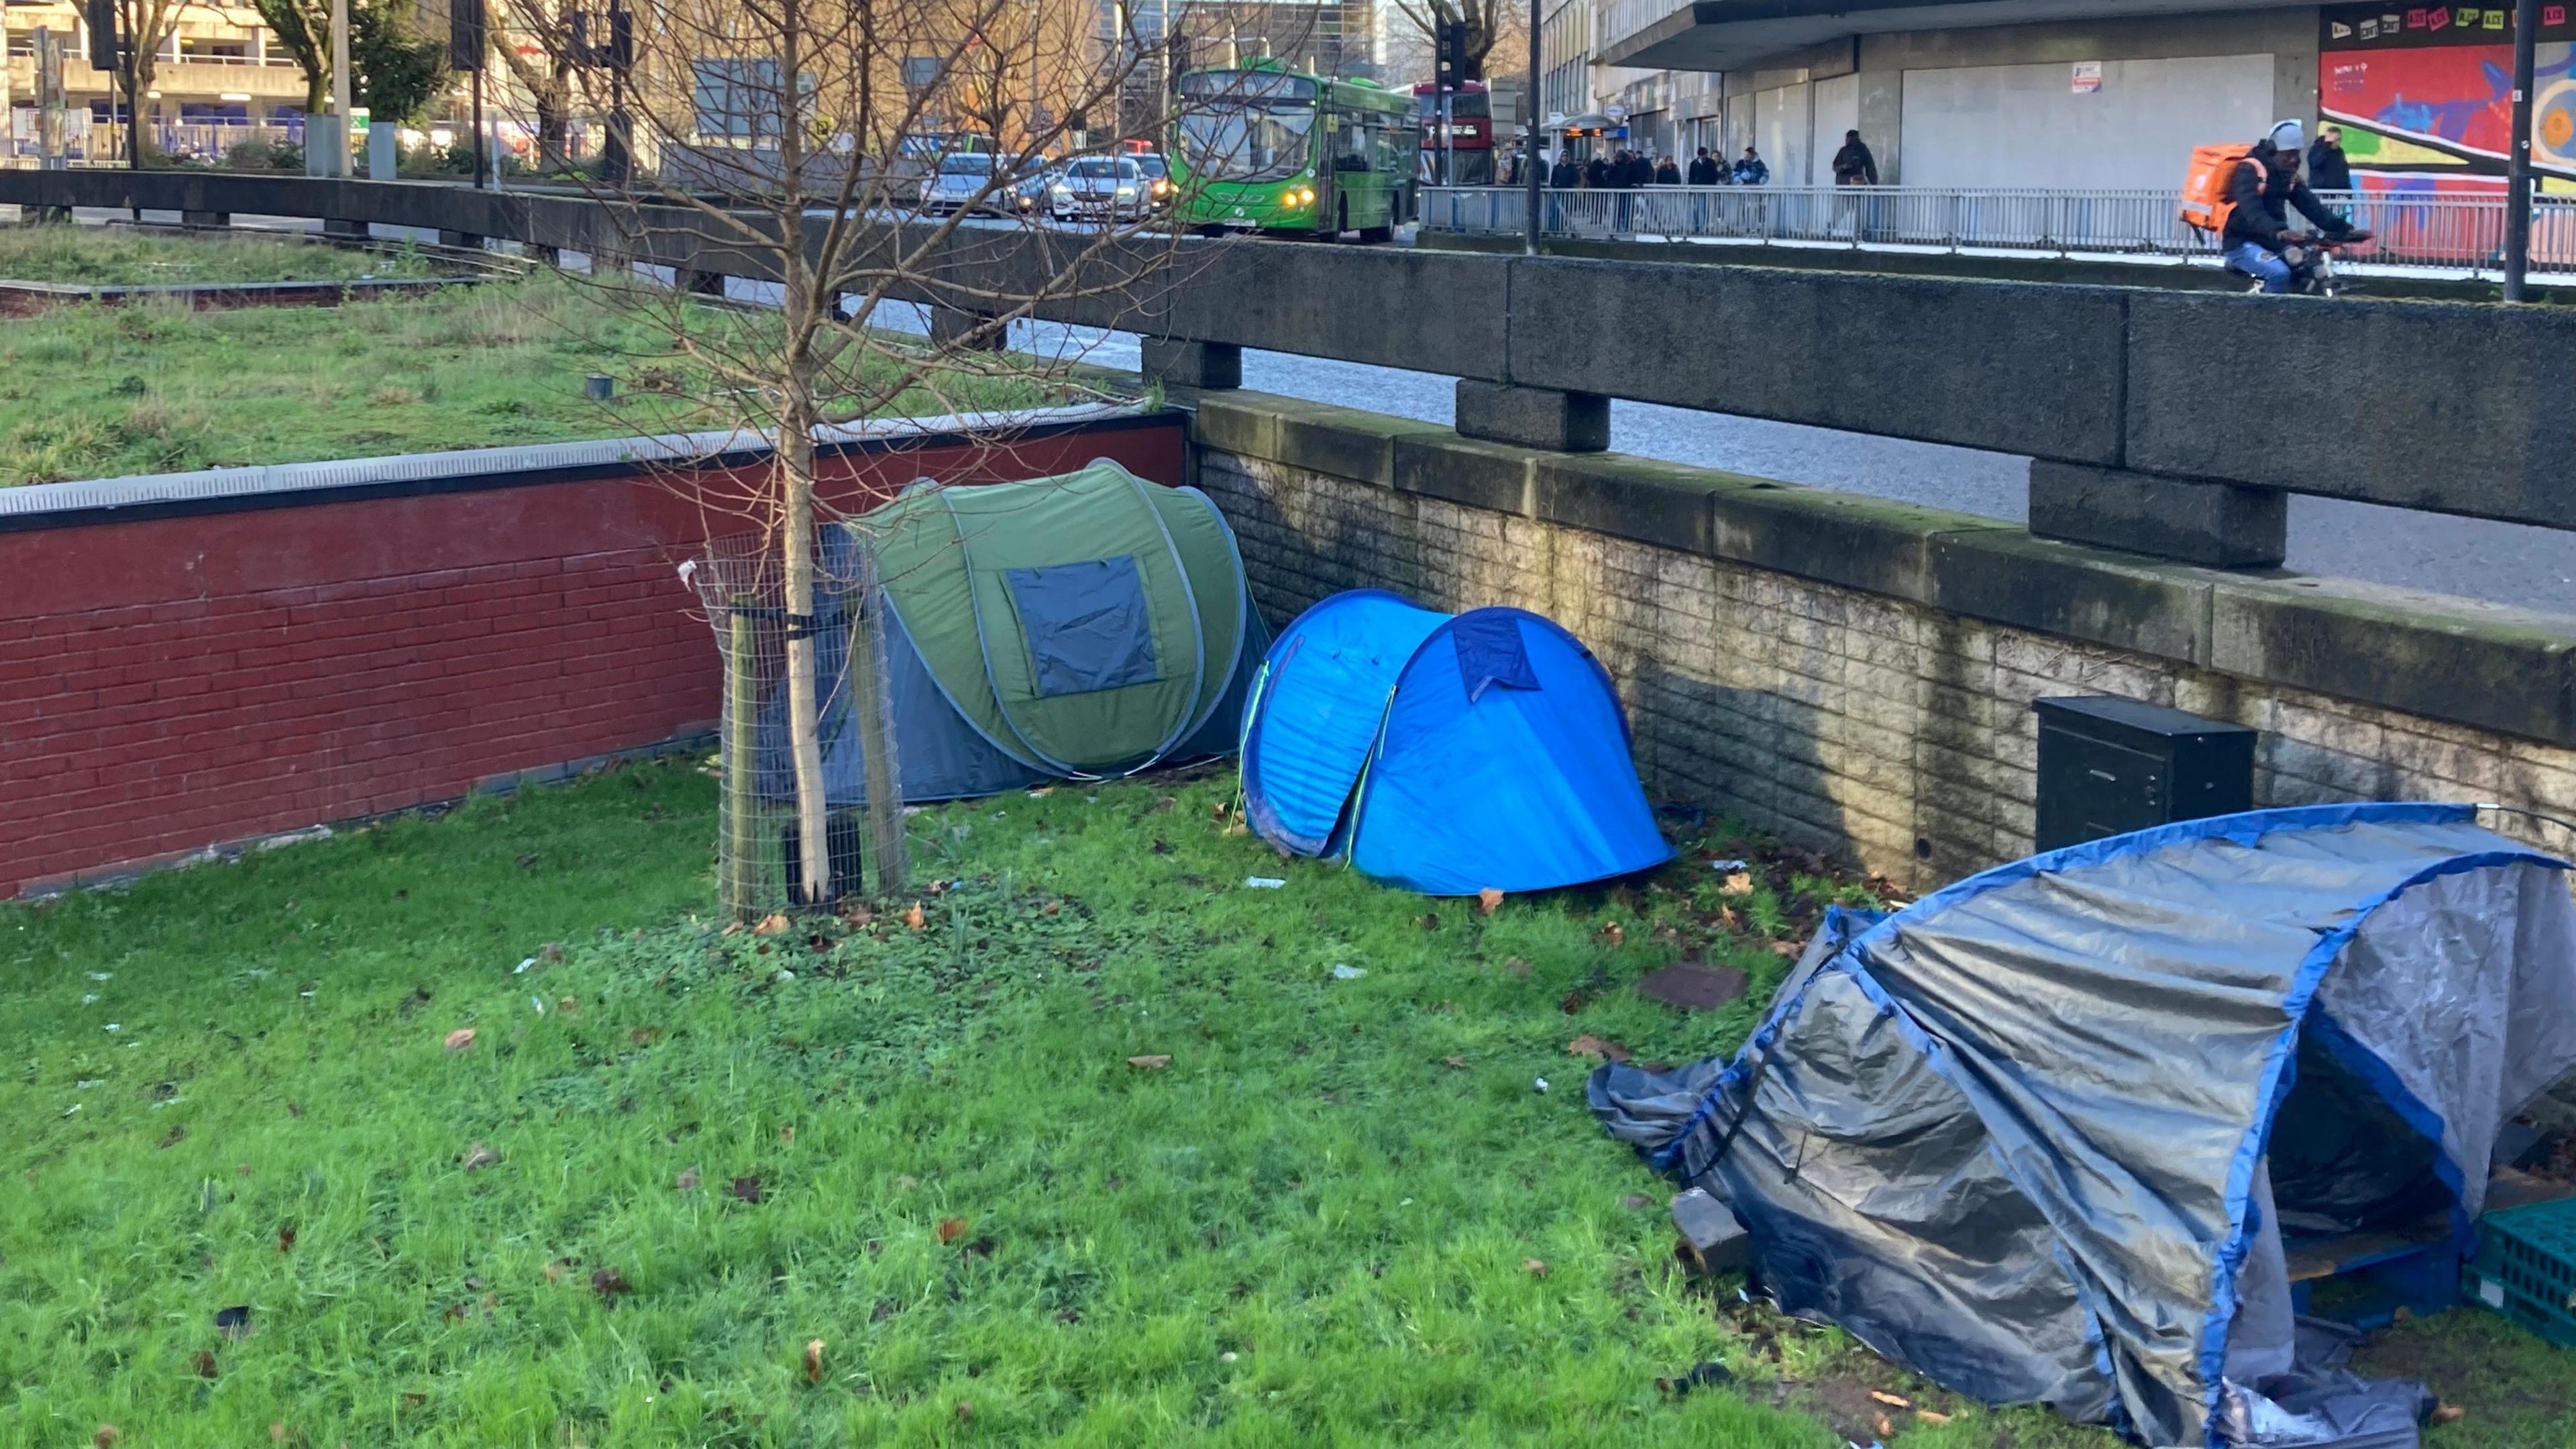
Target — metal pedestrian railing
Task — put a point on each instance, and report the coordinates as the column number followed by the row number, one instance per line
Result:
column 2459, row 233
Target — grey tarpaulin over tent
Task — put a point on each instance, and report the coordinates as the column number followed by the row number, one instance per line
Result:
column 2042, row 1134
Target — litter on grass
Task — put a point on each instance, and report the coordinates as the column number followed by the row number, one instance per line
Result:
column 1264, row 882
column 1349, row 973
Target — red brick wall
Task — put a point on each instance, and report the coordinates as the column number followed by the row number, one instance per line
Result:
column 174, row 682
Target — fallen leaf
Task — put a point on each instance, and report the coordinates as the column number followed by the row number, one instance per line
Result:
column 107, row 1434
column 1534, row 1267
column 555, row 1270
column 608, row 1283
column 770, row 925
column 1488, row 899
column 203, row 1361
column 687, row 1181
column 1787, row 949
column 2448, row 1414
column 175, row 1137
column 1932, row 1416
column 461, row 1038
column 568, row 1007
column 1893, row 1401
column 1885, row 1429
column 786, row 1134
column 1588, row 1045
column 1517, row 967
column 1041, row 792
column 1220, row 810
column 478, row 1157
column 1727, row 916
column 1636, row 1200
column 912, row 919
column 860, row 916
column 813, row 1360
column 1614, row 934
column 1048, row 909
column 1738, row 884
column 644, row 1035
column 455, row 1313
column 747, row 1188
column 951, row 1229
column 1149, row 1064
column 965, row 1411
column 286, row 1238
column 1459, row 1062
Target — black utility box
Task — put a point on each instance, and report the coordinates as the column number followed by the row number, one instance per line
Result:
column 2108, row 766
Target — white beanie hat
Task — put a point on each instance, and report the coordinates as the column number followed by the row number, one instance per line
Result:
column 2288, row 136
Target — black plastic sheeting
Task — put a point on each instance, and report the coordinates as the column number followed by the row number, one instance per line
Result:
column 2039, row 1135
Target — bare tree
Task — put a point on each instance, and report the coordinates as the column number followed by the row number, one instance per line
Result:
column 535, row 41
column 794, row 141
column 1492, row 25
column 145, row 26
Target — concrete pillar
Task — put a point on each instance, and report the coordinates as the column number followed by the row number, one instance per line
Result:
column 461, row 240
column 347, row 230
column 1204, row 365
column 950, row 328
column 544, row 255
column 1533, row 417
column 205, row 218
column 2223, row 525
column 52, row 215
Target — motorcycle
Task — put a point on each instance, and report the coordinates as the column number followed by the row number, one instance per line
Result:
column 2311, row 262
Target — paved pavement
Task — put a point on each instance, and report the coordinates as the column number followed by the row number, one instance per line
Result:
column 2504, row 563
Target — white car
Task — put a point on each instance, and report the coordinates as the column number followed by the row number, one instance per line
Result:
column 964, row 181
column 1107, row 188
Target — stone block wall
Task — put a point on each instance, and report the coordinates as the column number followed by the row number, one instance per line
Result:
column 1872, row 722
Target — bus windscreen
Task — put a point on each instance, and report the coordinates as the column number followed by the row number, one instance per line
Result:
column 1246, row 125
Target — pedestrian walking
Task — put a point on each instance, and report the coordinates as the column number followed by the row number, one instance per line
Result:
column 2327, row 168
column 1667, row 174
column 1703, row 169
column 1566, row 175
column 1751, row 169
column 1596, row 174
column 1853, row 165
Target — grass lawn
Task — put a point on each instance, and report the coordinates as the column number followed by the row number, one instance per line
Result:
column 105, row 391
column 125, row 256
column 671, row 1157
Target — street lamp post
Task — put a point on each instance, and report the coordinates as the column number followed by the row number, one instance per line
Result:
column 1531, row 163
column 2517, row 196
column 339, row 165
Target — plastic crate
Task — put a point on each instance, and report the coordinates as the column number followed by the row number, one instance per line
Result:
column 2526, row 1268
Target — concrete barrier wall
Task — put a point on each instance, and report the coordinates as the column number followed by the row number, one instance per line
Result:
column 180, row 675
column 2454, row 407
column 1857, row 675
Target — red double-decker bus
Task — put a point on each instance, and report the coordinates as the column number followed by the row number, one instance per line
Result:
column 1470, row 152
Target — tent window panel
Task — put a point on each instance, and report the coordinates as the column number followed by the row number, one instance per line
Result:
column 1490, row 652
column 1087, row 624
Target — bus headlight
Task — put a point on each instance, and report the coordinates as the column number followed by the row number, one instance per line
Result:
column 1299, row 196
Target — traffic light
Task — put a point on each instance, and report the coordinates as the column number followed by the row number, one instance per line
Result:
column 101, row 15
column 1449, row 47
column 465, row 35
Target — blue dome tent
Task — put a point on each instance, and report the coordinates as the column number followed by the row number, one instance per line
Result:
column 1447, row 754
column 2076, row 1131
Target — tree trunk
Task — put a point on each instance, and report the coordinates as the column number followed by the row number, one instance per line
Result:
column 317, row 90
column 804, row 703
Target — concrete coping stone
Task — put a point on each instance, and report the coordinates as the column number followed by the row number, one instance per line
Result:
column 2458, row 660
column 30, row 504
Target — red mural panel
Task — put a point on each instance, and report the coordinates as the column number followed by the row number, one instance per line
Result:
column 171, row 682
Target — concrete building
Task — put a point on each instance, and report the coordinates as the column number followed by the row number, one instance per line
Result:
column 2060, row 93
column 219, row 70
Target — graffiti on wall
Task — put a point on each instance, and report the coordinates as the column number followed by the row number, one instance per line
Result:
column 2425, row 94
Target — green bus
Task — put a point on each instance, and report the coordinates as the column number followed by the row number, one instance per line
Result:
column 1259, row 147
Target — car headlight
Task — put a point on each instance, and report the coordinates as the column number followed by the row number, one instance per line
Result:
column 1060, row 189
column 1126, row 190
column 1161, row 187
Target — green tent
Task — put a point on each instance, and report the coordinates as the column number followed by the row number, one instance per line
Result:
column 1077, row 626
